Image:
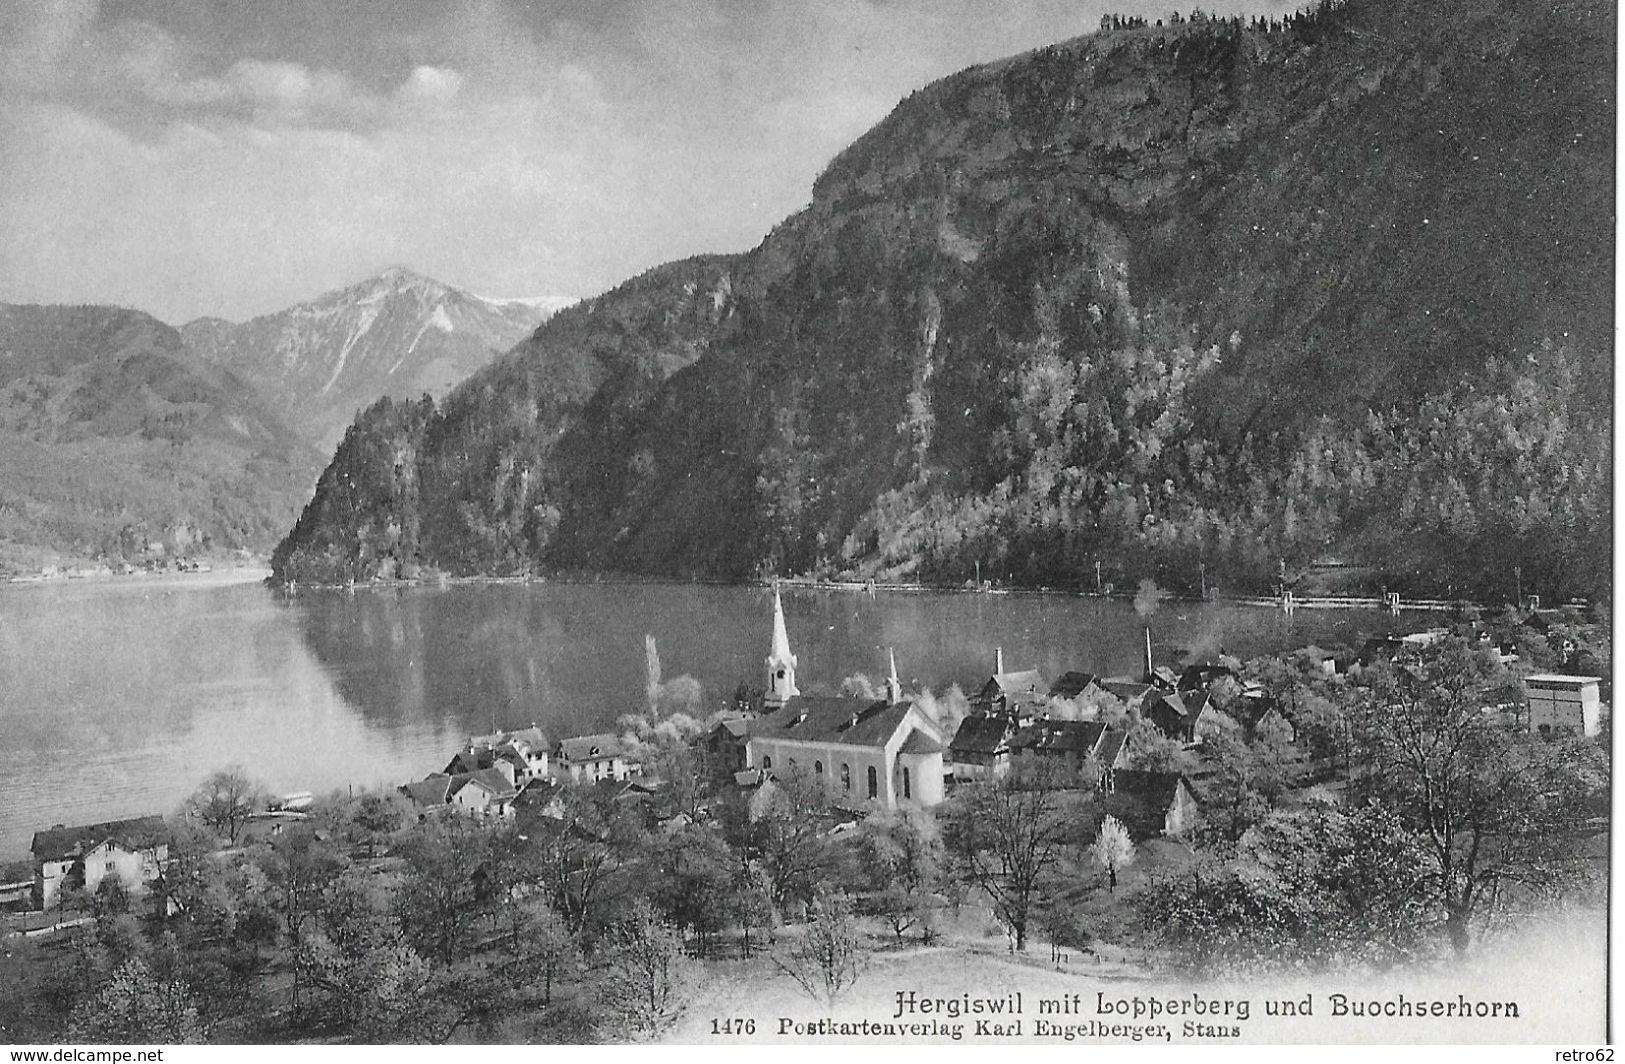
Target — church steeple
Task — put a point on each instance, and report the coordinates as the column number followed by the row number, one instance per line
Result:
column 781, row 664
column 894, row 686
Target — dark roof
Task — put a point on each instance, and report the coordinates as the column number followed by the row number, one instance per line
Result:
column 432, row 790
column 1022, row 682
column 1186, row 704
column 1059, row 736
column 1126, row 690
column 920, row 743
column 1201, row 674
column 736, row 727
column 466, row 761
column 1073, row 684
column 1157, row 788
column 1111, row 745
column 1252, row 709
column 138, row 833
column 491, row 779
column 849, row 721
column 983, row 733
column 591, row 747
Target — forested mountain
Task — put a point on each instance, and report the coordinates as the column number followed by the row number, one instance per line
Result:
column 114, row 436
column 398, row 334
column 1212, row 294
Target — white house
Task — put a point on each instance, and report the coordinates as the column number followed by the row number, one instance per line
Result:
column 589, row 758
column 1563, row 703
column 132, row 850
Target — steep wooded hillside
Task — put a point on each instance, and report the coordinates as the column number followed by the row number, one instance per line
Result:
column 115, row 437
column 1205, row 296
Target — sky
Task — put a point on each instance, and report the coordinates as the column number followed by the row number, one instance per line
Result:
column 232, row 157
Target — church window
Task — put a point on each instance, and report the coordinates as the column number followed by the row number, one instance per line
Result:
column 846, row 777
column 906, row 793
column 767, row 762
column 874, row 783
column 818, row 768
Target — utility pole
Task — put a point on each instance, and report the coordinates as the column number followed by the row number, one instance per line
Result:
column 1202, row 567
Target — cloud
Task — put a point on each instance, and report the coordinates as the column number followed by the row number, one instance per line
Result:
column 430, row 84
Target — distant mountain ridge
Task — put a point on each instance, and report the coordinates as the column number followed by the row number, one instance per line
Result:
column 399, row 334
column 1212, row 298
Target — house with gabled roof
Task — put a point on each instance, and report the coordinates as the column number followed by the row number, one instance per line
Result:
column 1075, row 685
column 589, row 758
column 134, row 851
column 1132, row 693
column 980, row 749
column 1022, row 692
column 1178, row 715
column 1153, row 803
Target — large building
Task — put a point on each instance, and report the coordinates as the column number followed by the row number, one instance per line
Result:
column 133, row 851
column 885, row 751
column 1560, row 703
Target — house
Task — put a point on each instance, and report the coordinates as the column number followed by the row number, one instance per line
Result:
column 1258, row 712
column 1070, row 744
column 1075, row 686
column 1131, row 693
column 1153, row 803
column 1163, row 678
column 526, row 749
column 1199, row 676
column 1559, row 703
column 980, row 749
column 1317, row 658
column 1023, row 693
column 1063, row 743
column 1178, row 716
column 725, row 744
column 595, row 757
column 488, row 792
column 134, row 851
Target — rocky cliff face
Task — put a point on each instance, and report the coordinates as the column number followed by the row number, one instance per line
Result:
column 1157, row 298
column 398, row 334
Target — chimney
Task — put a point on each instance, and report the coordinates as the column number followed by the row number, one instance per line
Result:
column 998, row 661
column 1148, row 654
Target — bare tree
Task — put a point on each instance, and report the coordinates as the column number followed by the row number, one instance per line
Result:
column 1497, row 811
column 225, row 801
column 830, row 958
column 648, row 975
column 1112, row 850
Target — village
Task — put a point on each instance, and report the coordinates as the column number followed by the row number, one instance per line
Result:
column 783, row 808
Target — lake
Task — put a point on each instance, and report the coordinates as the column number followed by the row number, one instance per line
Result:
column 118, row 695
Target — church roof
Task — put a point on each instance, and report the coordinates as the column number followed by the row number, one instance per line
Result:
column 847, row 721
column 781, row 637
column 920, row 743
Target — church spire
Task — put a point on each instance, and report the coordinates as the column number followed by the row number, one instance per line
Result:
column 894, row 686
column 781, row 664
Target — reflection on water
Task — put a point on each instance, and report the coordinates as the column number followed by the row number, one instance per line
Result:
column 116, row 698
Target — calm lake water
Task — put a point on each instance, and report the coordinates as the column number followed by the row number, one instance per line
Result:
column 118, row 696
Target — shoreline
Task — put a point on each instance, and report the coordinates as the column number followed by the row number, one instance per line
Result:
column 1295, row 602
column 223, row 577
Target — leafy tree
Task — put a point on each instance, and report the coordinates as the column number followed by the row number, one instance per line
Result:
column 785, row 839
column 438, row 899
column 902, row 860
column 1112, row 849
column 581, row 854
column 1009, row 836
column 134, row 1007
column 1496, row 810
column 689, row 875
column 376, row 817
column 225, row 800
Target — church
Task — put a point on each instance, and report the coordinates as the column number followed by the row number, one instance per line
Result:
column 887, row 751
